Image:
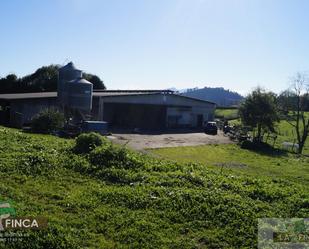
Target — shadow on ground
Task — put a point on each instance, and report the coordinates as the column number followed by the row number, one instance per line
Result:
column 263, row 148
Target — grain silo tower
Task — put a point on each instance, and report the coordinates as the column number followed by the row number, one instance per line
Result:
column 79, row 94
column 74, row 93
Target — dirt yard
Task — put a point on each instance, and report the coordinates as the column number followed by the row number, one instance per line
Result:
column 146, row 141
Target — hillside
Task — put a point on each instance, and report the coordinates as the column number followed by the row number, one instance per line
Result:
column 115, row 198
column 219, row 95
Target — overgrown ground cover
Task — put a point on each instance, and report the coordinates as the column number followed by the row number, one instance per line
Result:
column 116, row 198
column 226, row 113
column 230, row 158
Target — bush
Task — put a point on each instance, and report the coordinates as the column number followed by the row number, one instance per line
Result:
column 113, row 156
column 86, row 142
column 37, row 163
column 47, row 121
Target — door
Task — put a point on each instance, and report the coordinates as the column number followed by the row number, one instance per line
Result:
column 199, row 120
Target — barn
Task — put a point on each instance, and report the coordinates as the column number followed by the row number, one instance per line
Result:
column 145, row 109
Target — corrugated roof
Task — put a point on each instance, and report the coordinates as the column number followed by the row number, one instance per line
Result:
column 80, row 81
column 38, row 95
column 111, row 94
column 137, row 90
column 11, row 96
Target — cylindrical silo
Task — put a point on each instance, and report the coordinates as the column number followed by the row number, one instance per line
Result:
column 66, row 73
column 79, row 94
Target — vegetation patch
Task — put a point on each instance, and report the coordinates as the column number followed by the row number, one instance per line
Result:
column 231, row 165
column 226, row 113
column 47, row 121
column 86, row 142
column 115, row 198
column 272, row 163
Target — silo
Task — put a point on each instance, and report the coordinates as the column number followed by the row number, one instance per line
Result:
column 74, row 93
column 79, row 94
column 67, row 73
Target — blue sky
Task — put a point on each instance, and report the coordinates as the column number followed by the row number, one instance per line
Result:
column 236, row 44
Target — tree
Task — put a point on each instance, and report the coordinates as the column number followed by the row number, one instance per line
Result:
column 8, row 82
column 286, row 101
column 296, row 115
column 95, row 80
column 259, row 111
column 43, row 79
column 47, row 121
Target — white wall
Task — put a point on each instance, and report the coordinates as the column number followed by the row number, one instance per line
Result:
column 185, row 115
column 188, row 116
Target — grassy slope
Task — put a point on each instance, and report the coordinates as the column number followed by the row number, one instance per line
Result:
column 226, row 113
column 287, row 133
column 157, row 205
column 236, row 160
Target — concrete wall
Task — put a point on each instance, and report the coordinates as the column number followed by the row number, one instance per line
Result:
column 180, row 111
column 179, row 117
column 147, row 110
column 189, row 116
column 22, row 111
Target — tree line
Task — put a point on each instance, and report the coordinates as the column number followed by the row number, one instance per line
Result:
column 43, row 79
column 261, row 109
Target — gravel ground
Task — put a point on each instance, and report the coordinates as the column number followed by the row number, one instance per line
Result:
column 146, row 141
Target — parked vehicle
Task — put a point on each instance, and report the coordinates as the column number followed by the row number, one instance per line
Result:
column 211, row 128
column 227, row 129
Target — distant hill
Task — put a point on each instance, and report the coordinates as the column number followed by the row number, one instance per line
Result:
column 219, row 95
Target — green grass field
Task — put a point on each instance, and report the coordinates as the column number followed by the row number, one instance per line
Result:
column 230, row 158
column 234, row 159
column 285, row 131
column 116, row 198
column 226, row 113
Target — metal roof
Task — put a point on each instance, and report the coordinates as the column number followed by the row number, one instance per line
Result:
column 79, row 81
column 136, row 91
column 112, row 93
column 12, row 96
column 69, row 66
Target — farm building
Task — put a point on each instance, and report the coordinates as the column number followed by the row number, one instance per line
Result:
column 153, row 109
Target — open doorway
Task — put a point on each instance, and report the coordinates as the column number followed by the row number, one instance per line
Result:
column 200, row 120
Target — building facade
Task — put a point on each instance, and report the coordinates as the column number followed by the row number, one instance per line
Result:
column 125, row 109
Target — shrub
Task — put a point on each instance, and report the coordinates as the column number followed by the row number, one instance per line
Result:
column 47, row 121
column 113, row 156
column 37, row 163
column 86, row 142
